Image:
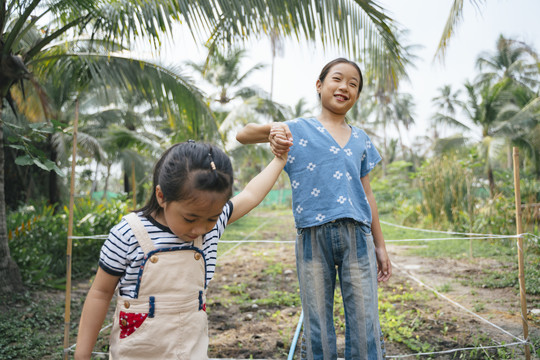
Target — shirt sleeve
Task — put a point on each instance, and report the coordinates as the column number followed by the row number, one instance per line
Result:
column 370, row 157
column 228, row 209
column 113, row 255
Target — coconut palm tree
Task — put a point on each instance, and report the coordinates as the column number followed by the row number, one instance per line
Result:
column 482, row 118
column 521, row 125
column 225, row 73
column 513, row 60
column 77, row 74
column 221, row 21
column 503, row 102
column 403, row 105
column 385, row 104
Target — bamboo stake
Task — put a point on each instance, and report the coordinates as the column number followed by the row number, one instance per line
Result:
column 67, row 313
column 521, row 275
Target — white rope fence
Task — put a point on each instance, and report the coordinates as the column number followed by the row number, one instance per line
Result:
column 463, row 236
column 469, row 236
column 455, row 303
column 455, row 350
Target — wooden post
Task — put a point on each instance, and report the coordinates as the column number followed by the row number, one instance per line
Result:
column 67, row 312
column 521, row 276
column 134, row 186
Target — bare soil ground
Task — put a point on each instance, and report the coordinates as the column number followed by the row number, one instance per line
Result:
column 253, row 303
column 241, row 329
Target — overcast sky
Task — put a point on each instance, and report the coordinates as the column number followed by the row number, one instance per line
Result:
column 297, row 70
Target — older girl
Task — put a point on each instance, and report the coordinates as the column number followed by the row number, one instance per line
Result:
column 335, row 214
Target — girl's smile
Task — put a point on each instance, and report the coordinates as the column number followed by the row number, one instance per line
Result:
column 340, row 88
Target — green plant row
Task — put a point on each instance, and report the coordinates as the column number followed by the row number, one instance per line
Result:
column 40, row 251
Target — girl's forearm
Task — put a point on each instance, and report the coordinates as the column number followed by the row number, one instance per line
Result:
column 261, row 184
column 378, row 238
column 256, row 190
column 376, row 230
column 92, row 318
column 94, row 312
column 254, row 133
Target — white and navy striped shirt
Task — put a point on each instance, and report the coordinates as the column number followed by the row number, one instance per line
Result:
column 122, row 256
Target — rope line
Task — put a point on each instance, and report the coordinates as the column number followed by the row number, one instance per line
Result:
column 259, row 241
column 409, row 274
column 459, row 233
column 245, row 237
column 455, row 350
column 453, row 238
column 92, row 237
column 495, row 237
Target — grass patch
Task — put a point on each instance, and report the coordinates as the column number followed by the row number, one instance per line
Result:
column 255, row 226
column 399, row 322
column 504, row 251
column 280, row 298
column 30, row 327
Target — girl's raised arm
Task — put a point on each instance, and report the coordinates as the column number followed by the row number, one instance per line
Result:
column 254, row 133
column 256, row 190
column 94, row 313
column 277, row 133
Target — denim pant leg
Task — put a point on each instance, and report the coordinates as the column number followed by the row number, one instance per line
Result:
column 317, row 280
column 358, row 280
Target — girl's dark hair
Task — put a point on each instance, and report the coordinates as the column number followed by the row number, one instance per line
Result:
column 327, row 67
column 189, row 166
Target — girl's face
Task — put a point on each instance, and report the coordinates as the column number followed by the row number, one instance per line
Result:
column 191, row 218
column 339, row 90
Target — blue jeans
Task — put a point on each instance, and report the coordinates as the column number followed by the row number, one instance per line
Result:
column 344, row 247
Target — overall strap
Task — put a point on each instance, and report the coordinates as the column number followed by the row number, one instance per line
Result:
column 140, row 232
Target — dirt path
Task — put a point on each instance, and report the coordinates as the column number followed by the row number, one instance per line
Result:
column 241, row 327
column 498, row 310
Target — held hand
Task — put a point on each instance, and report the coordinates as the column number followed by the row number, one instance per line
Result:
column 280, row 138
column 384, row 266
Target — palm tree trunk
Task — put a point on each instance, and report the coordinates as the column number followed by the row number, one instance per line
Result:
column 93, row 188
column 400, row 138
column 385, row 147
column 127, row 184
column 54, row 193
column 509, row 159
column 491, row 180
column 106, row 188
column 10, row 276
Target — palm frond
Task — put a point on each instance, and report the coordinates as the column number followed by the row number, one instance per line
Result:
column 354, row 25
column 165, row 88
column 454, row 18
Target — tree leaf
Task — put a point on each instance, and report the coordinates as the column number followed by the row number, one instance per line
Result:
column 24, row 160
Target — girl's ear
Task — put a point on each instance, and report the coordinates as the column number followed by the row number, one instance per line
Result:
column 159, row 196
column 318, row 85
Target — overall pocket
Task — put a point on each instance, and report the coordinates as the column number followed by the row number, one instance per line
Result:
column 129, row 322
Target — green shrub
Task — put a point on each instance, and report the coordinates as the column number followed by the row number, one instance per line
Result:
column 39, row 246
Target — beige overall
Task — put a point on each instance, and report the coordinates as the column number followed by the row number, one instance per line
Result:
column 168, row 318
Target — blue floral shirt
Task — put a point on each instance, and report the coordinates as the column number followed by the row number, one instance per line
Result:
column 325, row 177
